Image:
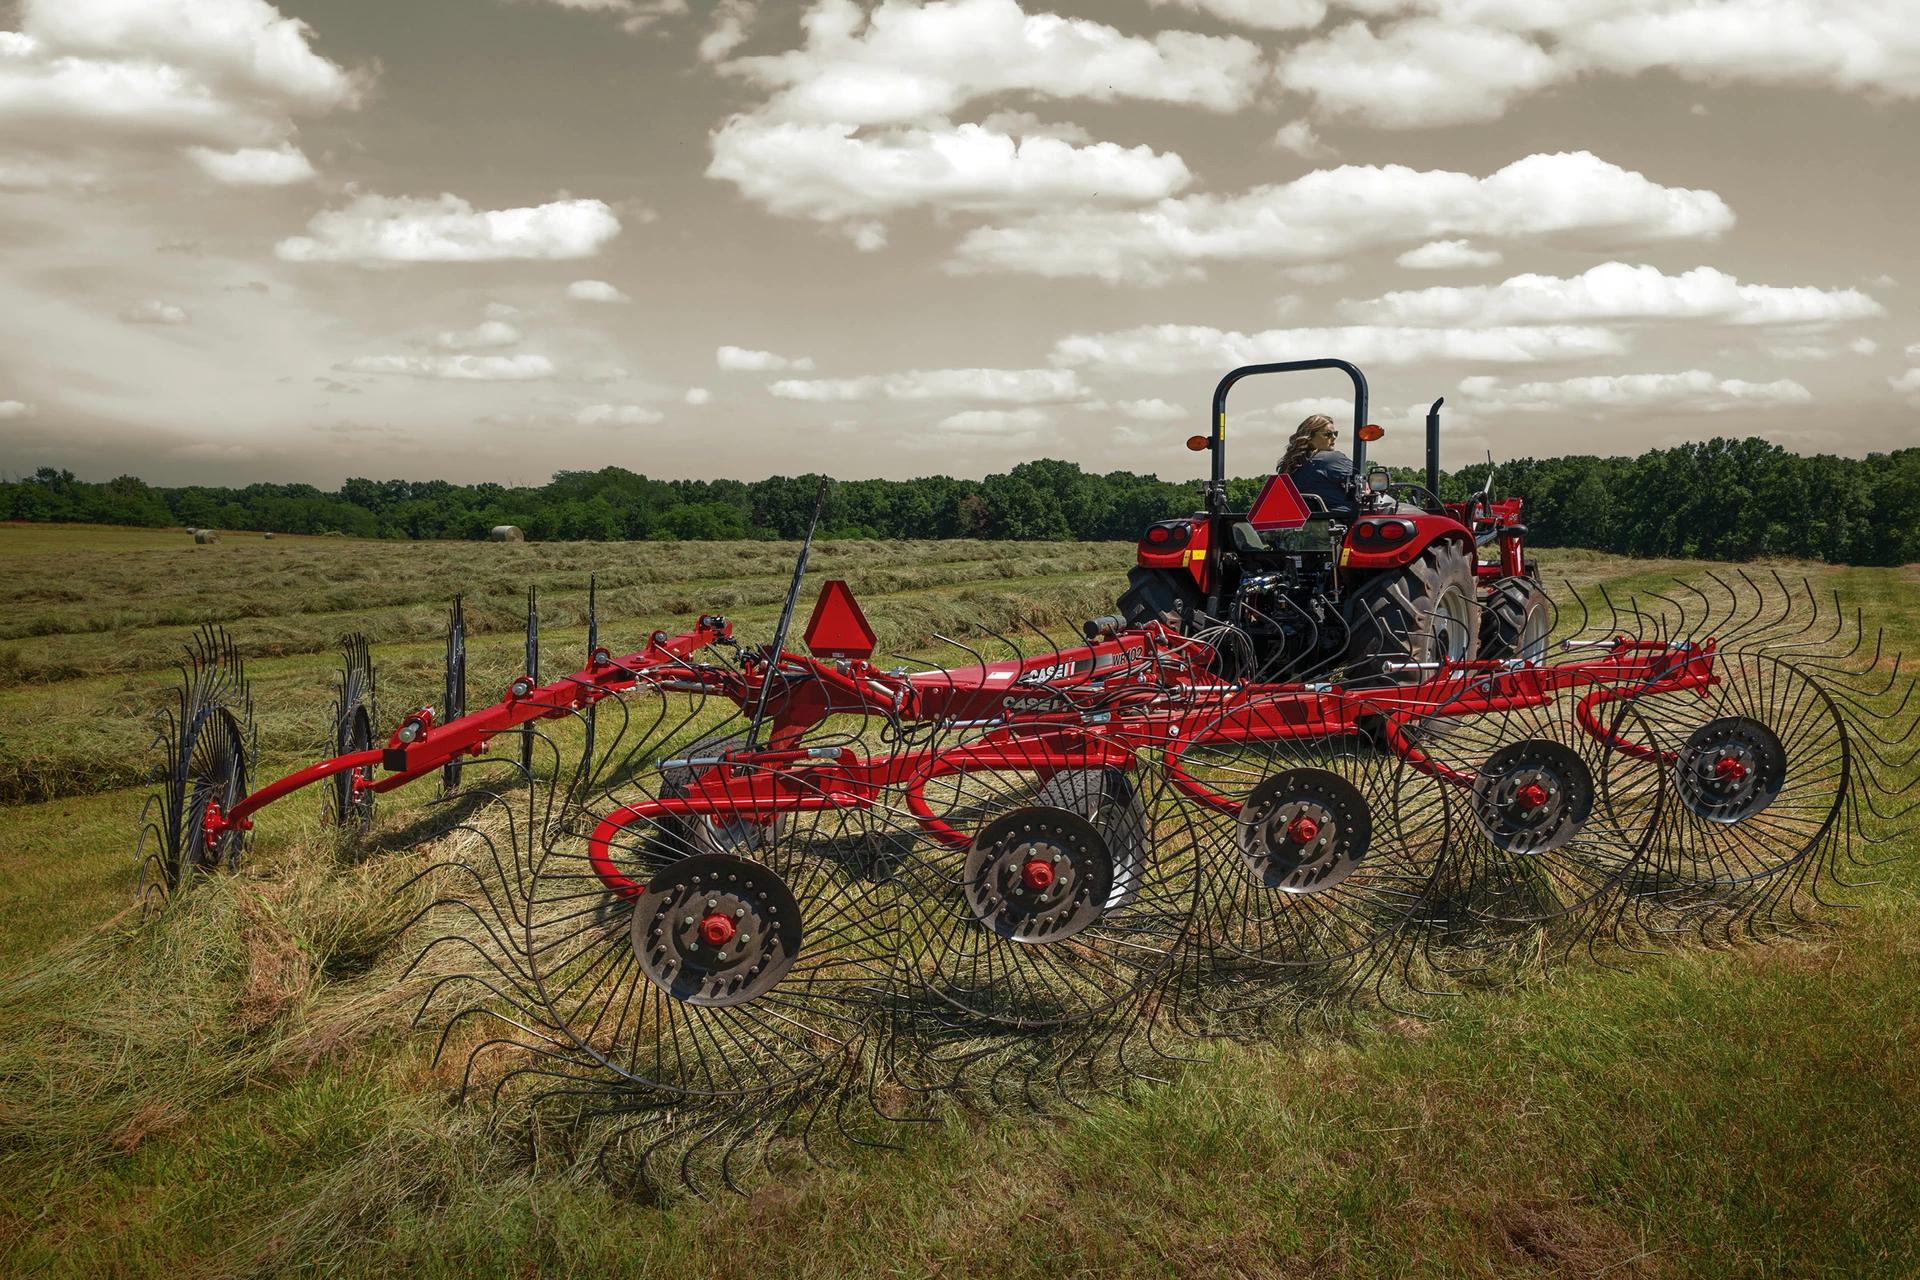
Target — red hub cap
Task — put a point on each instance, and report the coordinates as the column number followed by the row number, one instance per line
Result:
column 717, row 930
column 1303, row 830
column 1037, row 875
column 1532, row 795
column 1729, row 769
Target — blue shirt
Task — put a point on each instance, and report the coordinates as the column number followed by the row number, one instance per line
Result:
column 1326, row 474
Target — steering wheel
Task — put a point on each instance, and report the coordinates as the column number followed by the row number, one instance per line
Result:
column 1423, row 497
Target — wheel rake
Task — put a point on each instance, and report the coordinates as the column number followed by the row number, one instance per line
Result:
column 705, row 909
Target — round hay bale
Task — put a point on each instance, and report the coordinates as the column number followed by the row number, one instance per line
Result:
column 267, row 536
column 506, row 533
column 204, row 536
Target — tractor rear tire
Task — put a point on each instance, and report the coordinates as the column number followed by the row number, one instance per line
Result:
column 1515, row 621
column 1422, row 612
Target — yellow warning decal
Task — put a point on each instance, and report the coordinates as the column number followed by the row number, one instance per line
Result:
column 1186, row 559
column 1345, row 553
column 1199, row 555
column 1223, row 425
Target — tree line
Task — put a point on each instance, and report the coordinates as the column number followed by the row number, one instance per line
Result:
column 1721, row 499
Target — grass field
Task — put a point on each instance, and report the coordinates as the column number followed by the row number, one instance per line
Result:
column 234, row 1088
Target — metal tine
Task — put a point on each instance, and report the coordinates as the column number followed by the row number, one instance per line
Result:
column 531, row 668
column 456, row 687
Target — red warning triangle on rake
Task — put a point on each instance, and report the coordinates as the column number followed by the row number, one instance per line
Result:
column 838, row 629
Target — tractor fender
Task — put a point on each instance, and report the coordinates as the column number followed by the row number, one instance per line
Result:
column 1391, row 542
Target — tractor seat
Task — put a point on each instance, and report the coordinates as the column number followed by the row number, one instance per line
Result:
column 1315, row 535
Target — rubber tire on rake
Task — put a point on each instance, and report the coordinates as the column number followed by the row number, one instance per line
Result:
column 1316, row 853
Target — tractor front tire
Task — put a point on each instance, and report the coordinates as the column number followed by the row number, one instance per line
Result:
column 1515, row 620
column 1423, row 612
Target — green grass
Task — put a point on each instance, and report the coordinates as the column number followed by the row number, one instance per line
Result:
column 234, row 1088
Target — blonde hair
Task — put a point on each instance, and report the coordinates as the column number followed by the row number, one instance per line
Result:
column 1300, row 443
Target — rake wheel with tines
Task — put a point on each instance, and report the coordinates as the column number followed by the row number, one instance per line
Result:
column 209, row 743
column 347, row 797
column 1317, row 852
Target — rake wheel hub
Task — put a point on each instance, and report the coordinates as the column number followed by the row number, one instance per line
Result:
column 1305, row 830
column 1038, row 875
column 1730, row 769
column 715, row 930
column 1533, row 796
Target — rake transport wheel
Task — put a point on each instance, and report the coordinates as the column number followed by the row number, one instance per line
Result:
column 347, row 798
column 1316, row 852
column 1516, row 618
column 1423, row 612
column 1553, row 825
column 209, row 742
column 1033, row 892
column 1759, row 765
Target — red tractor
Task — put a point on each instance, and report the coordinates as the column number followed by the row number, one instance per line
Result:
column 1393, row 578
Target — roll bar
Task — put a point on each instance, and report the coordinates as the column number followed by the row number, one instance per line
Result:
column 1217, row 430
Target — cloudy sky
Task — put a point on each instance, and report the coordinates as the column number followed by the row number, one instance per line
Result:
column 487, row 239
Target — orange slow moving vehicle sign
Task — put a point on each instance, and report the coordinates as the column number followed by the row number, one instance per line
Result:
column 837, row 628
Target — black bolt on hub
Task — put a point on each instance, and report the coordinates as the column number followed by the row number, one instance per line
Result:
column 1304, row 831
column 1533, row 796
column 716, row 930
column 1038, row 875
column 1730, row 769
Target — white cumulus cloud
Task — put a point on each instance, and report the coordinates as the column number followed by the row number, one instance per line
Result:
column 1019, row 423
column 488, row 333
column 698, row 396
column 1569, row 196
column 228, row 76
column 618, row 415
column 1177, row 348
column 279, row 166
column 1618, row 291
column 750, row 361
column 1265, row 15
column 1433, row 62
column 456, row 368
column 376, row 230
column 904, row 62
column 1003, row 386
column 595, row 291
column 15, row 409
column 1419, row 74
column 1447, row 255
column 828, row 173
column 1908, row 384
column 154, row 311
column 1695, row 391
column 1150, row 410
